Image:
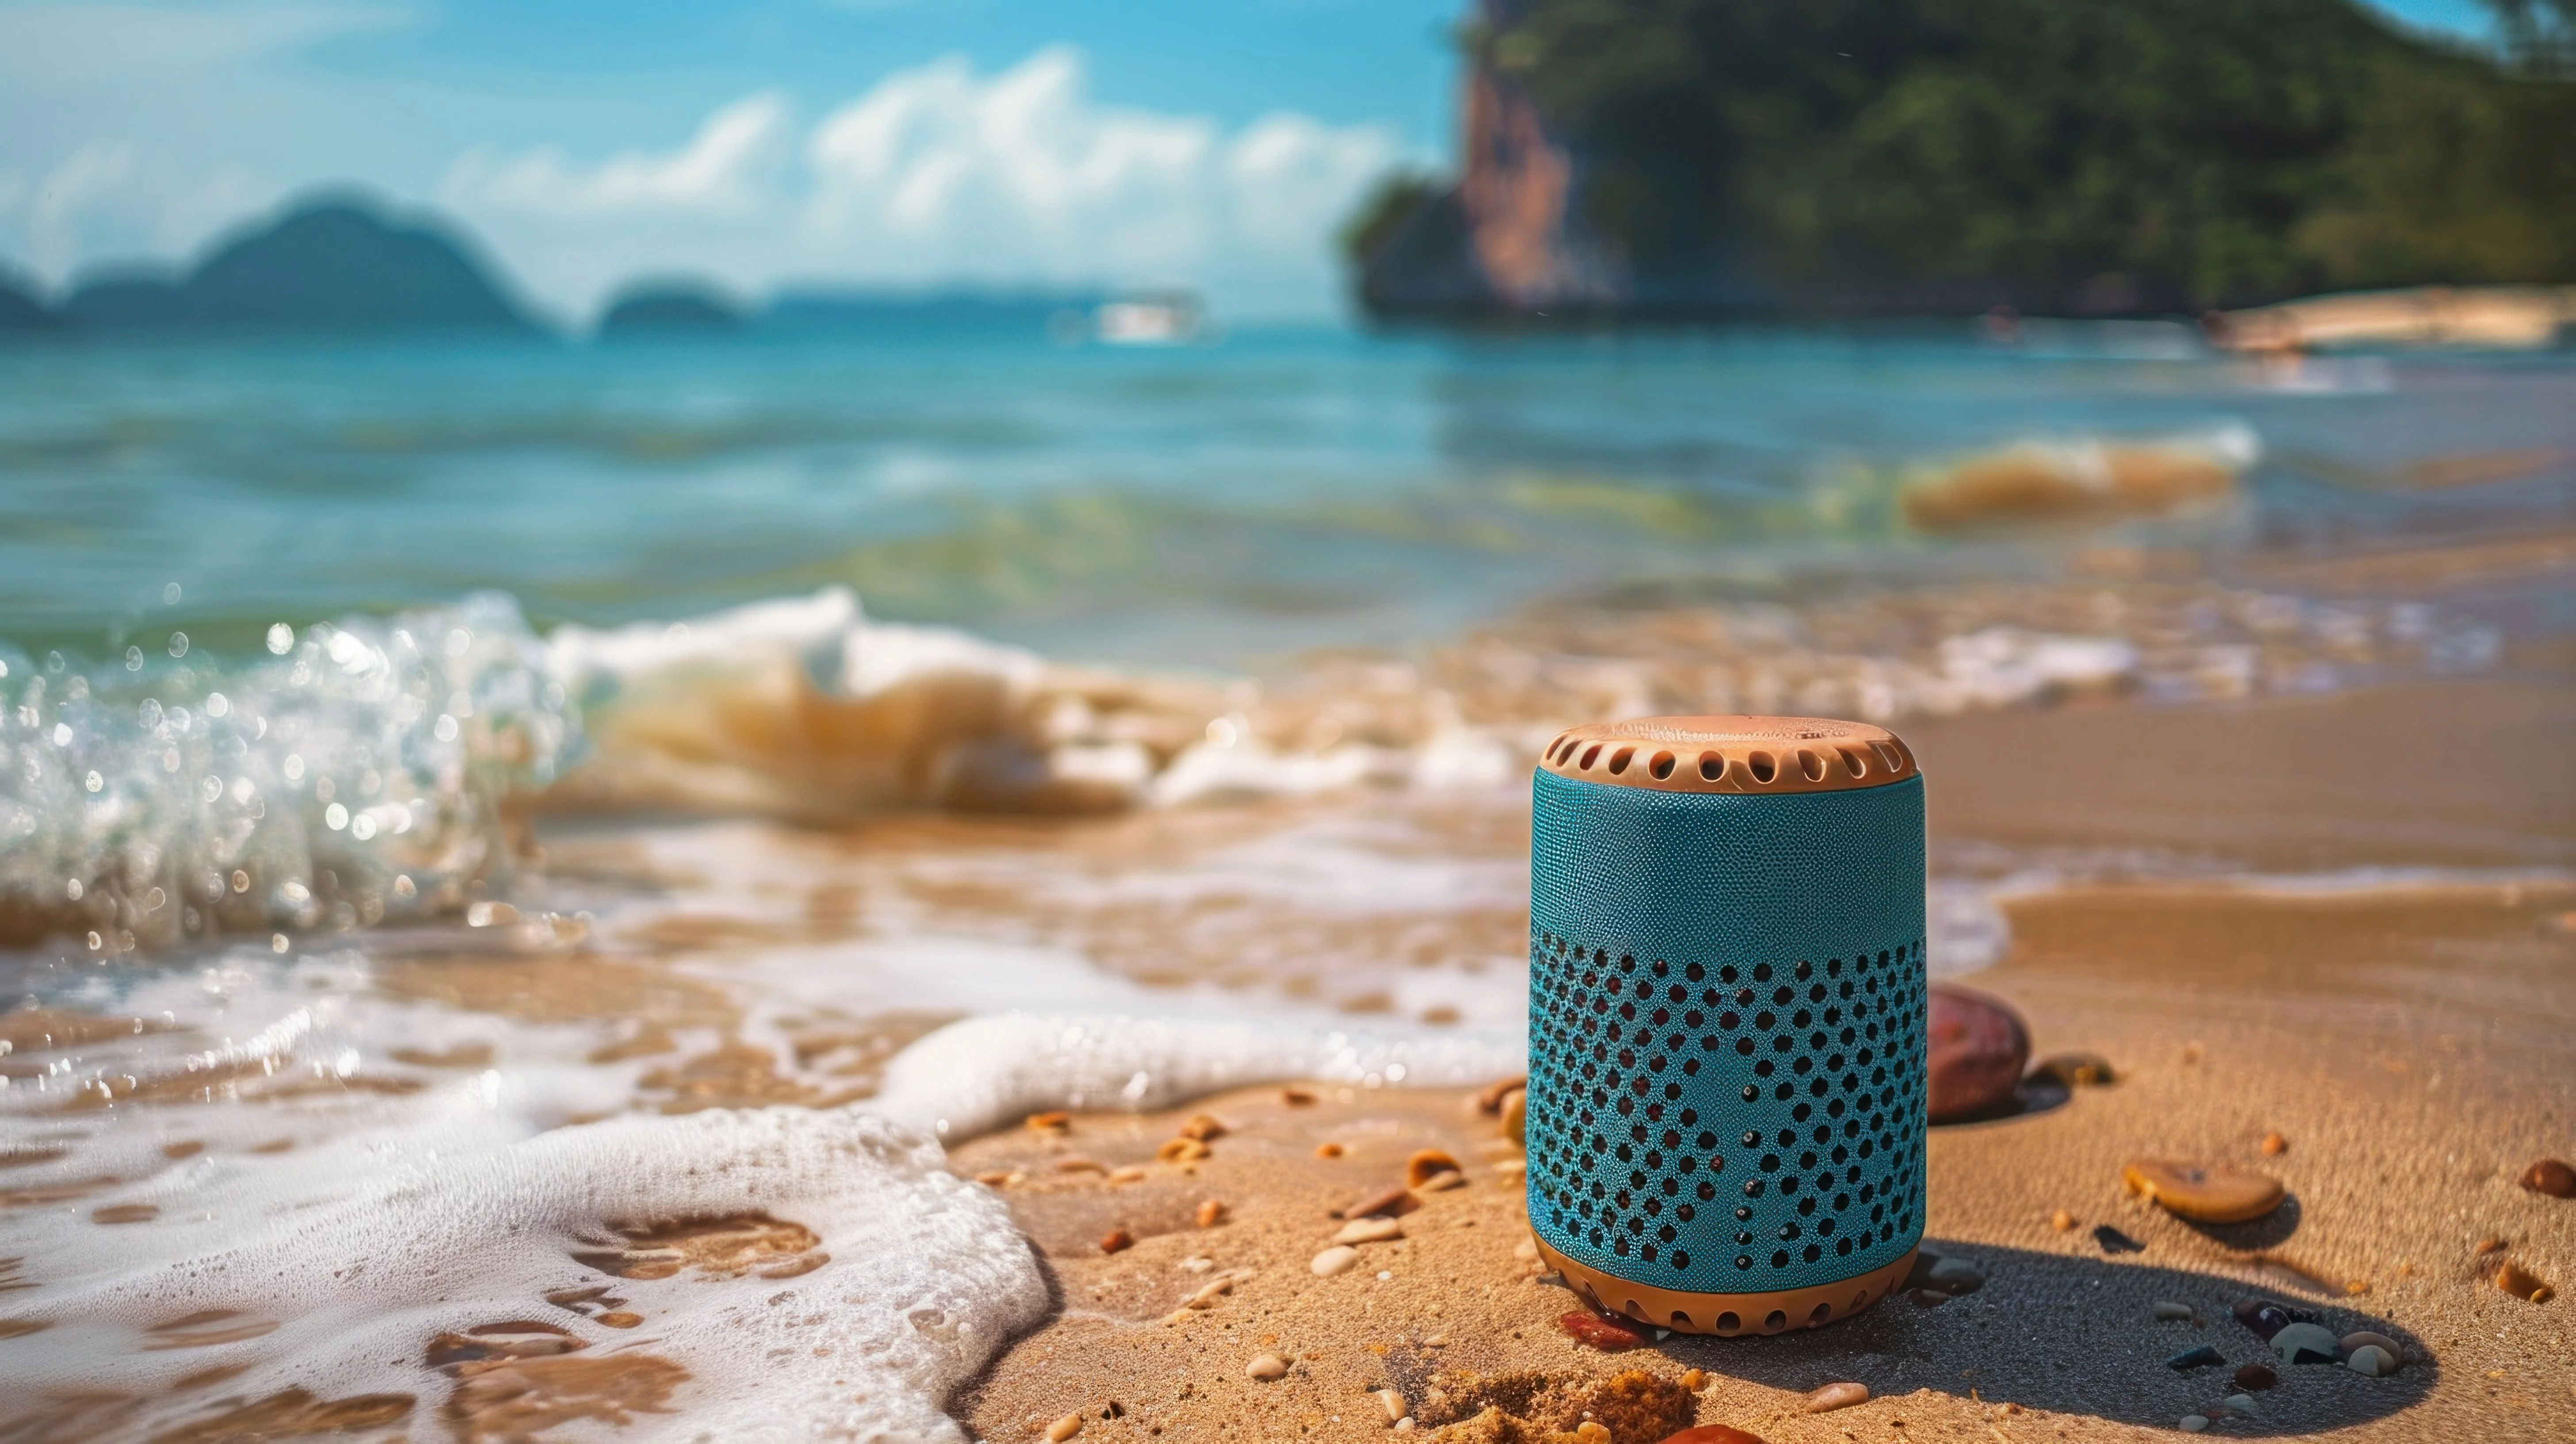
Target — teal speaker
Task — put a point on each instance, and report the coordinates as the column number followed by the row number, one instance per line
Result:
column 1726, row 1105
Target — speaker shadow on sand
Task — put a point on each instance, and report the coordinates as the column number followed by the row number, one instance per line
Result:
column 2078, row 1335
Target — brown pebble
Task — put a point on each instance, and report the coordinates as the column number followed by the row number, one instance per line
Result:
column 1064, row 1428
column 1328, row 1150
column 993, row 1177
column 1266, row 1367
column 2490, row 1245
column 2062, row 1221
column 1840, row 1395
column 2551, row 1176
column 2274, row 1145
column 621, row 1319
column 1712, row 1434
column 1211, row 1212
column 1977, row 1046
column 1392, row 1202
column 1369, row 1230
column 1297, row 1097
column 1443, row 1181
column 2362, row 1338
column 1117, row 1239
column 2520, row 1282
column 1610, row 1336
column 1053, row 1121
column 2256, row 1377
column 1427, row 1164
column 1181, row 1150
column 1080, row 1165
column 1489, row 1099
column 2204, row 1192
column 2075, row 1070
column 1202, row 1127
column 1391, row 1402
column 1516, row 1118
column 1694, row 1379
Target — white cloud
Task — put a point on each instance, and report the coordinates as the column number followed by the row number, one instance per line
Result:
column 938, row 174
column 727, row 168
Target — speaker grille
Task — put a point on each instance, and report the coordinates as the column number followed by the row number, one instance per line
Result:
column 1726, row 1125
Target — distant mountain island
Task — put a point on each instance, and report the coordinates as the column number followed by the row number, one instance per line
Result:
column 340, row 267
column 1712, row 158
column 332, row 267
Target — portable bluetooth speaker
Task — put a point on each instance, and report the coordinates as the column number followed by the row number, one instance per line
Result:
column 1726, row 1092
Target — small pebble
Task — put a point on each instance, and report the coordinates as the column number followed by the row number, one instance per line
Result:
column 1369, row 1230
column 2520, row 1282
column 1977, row 1046
column 1297, row 1097
column 1606, row 1335
column 1955, row 1276
column 1266, row 1367
column 1693, row 1379
column 2255, row 1376
column 2361, row 1337
column 1489, row 1099
column 621, row 1319
column 1202, row 1127
column 1211, row 1212
column 1080, row 1165
column 2173, row 1313
column 993, row 1177
column 1116, row 1240
column 1429, row 1163
column 2371, row 1361
column 1130, row 1174
column 2267, row 1318
column 2196, row 1358
column 2304, row 1344
column 1181, row 1150
column 2114, row 1241
column 2552, row 1176
column 1927, row 1298
column 1198, row 1264
column 1390, row 1202
column 1328, row 1150
column 2241, row 1403
column 2194, row 1423
column 2062, row 1221
column 1337, row 1259
column 1393, row 1403
column 2075, row 1070
column 2274, row 1145
column 1444, row 1181
column 1841, row 1395
column 1404, row 1425
column 1712, row 1434
column 2491, row 1245
column 1064, row 1428
column 1054, row 1121
column 2204, row 1193
column 1516, row 1118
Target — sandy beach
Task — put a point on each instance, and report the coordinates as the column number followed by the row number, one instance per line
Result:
column 2408, row 1044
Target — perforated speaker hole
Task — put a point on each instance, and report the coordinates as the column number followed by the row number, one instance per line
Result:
column 1790, row 1088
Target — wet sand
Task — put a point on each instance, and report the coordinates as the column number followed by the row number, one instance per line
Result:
column 2411, row 1045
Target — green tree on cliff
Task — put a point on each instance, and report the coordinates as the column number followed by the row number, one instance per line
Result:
column 2107, row 155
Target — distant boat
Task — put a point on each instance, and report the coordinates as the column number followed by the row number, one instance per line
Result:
column 1150, row 318
column 2503, row 318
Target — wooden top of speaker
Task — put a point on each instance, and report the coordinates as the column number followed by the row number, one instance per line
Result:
column 1755, row 756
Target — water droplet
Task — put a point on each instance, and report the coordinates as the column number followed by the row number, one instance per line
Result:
column 277, row 942
column 218, row 705
column 293, row 767
column 178, row 644
column 95, row 941
column 73, row 889
column 281, row 639
column 362, row 827
column 94, row 782
column 134, row 659
column 446, row 728
column 334, row 817
column 62, row 734
column 54, row 662
column 241, row 880
column 170, row 595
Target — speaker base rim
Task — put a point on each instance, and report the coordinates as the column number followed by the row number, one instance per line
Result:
column 1796, row 1308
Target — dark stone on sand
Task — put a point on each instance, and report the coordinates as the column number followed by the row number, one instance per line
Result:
column 1604, row 1334
column 1390, row 1202
column 2266, row 1317
column 2075, row 1070
column 2199, row 1358
column 2114, row 1241
column 1978, row 1047
column 2551, row 1176
column 2256, row 1377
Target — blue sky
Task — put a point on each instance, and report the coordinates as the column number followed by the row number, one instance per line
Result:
column 893, row 141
